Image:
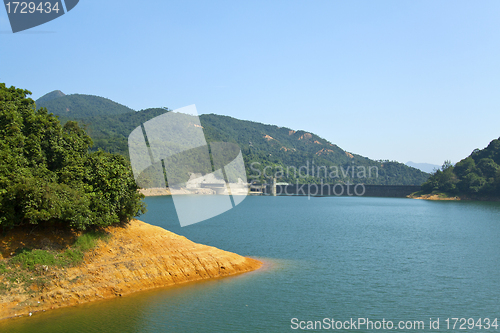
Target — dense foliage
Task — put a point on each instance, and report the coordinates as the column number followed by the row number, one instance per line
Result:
column 264, row 147
column 48, row 175
column 476, row 176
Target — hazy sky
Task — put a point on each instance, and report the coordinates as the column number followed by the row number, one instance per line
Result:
column 397, row 80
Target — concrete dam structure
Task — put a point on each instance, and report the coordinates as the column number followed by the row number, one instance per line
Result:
column 389, row 191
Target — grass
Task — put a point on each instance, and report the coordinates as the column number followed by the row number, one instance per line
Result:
column 32, row 258
column 89, row 240
column 28, row 258
column 28, row 266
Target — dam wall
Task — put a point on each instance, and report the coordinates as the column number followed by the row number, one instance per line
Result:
column 389, row 191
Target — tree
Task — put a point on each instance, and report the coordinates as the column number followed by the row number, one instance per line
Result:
column 477, row 175
column 488, row 167
column 48, row 175
column 443, row 180
column 465, row 166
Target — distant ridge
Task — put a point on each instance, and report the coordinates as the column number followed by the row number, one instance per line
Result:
column 425, row 167
column 50, row 96
column 78, row 106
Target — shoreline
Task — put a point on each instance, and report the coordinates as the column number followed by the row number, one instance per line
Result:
column 136, row 258
column 440, row 197
column 155, row 192
column 161, row 191
column 434, row 197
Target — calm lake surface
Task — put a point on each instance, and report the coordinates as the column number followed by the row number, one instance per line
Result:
column 337, row 257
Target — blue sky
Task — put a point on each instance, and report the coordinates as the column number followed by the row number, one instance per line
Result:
column 397, row 80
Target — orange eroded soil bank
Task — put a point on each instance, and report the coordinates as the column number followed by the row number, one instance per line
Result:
column 138, row 257
column 433, row 197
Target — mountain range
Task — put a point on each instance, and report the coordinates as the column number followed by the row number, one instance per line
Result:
column 425, row 167
column 279, row 151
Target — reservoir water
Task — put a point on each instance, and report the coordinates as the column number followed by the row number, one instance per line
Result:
column 333, row 257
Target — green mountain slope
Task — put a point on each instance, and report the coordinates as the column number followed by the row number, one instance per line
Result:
column 78, row 106
column 279, row 151
column 282, row 151
column 50, row 96
column 110, row 133
column 477, row 176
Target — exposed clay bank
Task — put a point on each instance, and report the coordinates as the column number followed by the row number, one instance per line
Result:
column 138, row 257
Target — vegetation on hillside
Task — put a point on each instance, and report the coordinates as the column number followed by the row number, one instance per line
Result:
column 80, row 106
column 280, row 151
column 476, row 176
column 110, row 133
column 266, row 147
column 269, row 150
column 48, row 176
column 50, row 96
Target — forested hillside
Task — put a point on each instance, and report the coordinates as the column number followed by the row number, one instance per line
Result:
column 50, row 96
column 79, row 106
column 478, row 175
column 278, row 150
column 282, row 150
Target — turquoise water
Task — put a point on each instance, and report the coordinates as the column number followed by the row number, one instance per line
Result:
column 340, row 258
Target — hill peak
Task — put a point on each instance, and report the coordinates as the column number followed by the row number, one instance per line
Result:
column 80, row 106
column 50, row 96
